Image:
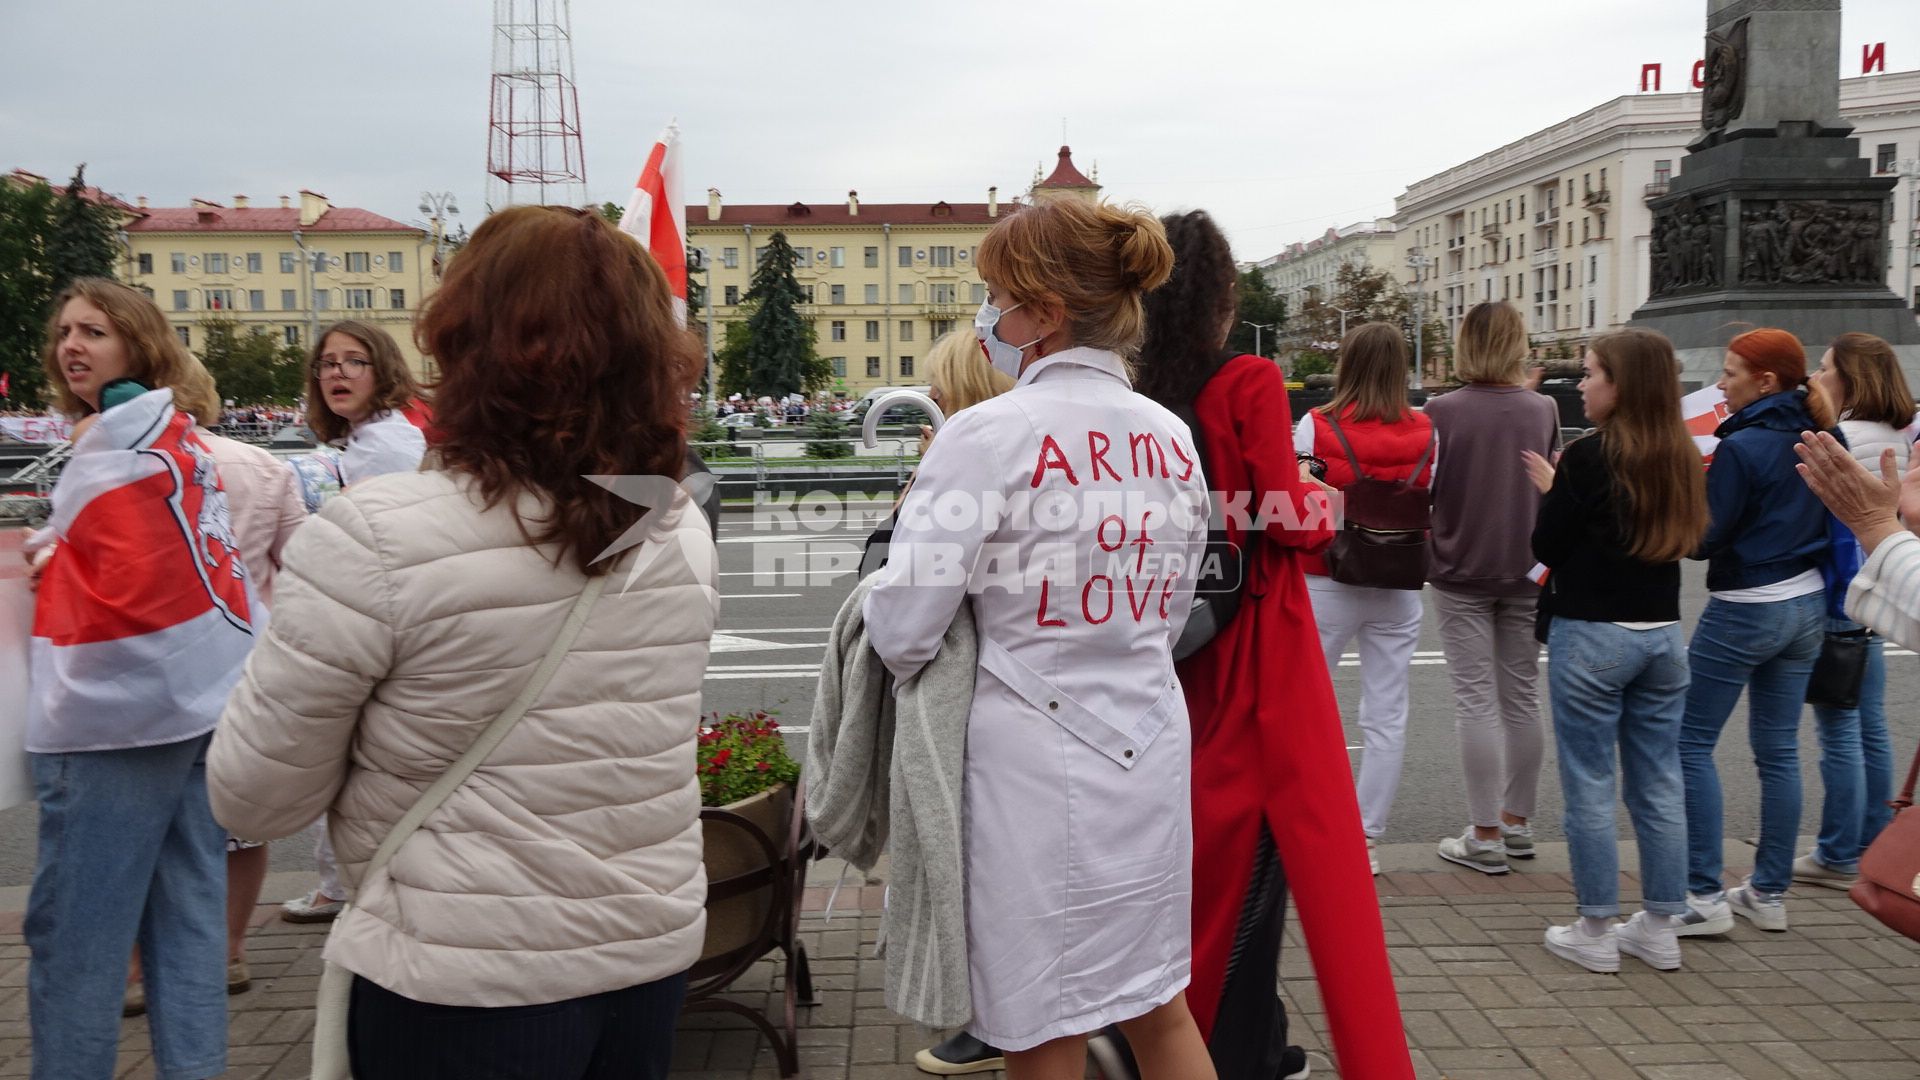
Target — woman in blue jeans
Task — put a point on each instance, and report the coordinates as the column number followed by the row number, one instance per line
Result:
column 1624, row 507
column 1861, row 374
column 1762, row 629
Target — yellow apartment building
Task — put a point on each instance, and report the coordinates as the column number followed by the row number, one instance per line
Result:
column 882, row 280
column 287, row 270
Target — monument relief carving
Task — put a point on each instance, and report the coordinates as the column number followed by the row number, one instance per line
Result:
column 1686, row 244
column 1726, row 77
column 1811, row 242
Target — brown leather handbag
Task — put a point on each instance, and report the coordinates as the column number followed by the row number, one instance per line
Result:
column 1889, row 884
column 1383, row 543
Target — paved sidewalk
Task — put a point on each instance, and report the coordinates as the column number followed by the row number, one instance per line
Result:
column 1837, row 997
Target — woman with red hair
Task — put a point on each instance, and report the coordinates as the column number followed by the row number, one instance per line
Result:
column 1762, row 627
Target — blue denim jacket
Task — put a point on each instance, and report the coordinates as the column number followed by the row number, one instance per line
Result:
column 1767, row 525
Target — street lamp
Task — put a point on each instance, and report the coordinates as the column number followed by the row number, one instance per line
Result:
column 1418, row 261
column 1343, row 319
column 1909, row 170
column 703, row 264
column 1257, row 327
column 438, row 206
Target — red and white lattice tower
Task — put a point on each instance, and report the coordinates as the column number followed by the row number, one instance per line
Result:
column 534, row 150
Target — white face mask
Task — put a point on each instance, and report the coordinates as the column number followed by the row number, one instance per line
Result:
column 1005, row 358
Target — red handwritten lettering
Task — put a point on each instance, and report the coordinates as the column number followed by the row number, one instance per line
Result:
column 1139, row 607
column 1151, row 445
column 1184, row 460
column 1086, row 599
column 1052, row 457
column 1100, row 533
column 1097, row 453
column 1166, row 594
column 1040, row 617
column 1143, row 542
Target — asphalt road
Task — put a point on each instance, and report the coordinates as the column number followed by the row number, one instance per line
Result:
column 781, row 585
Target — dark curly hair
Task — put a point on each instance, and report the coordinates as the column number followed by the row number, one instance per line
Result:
column 1185, row 316
column 560, row 358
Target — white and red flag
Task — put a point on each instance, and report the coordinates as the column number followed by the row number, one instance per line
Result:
column 143, row 621
column 657, row 216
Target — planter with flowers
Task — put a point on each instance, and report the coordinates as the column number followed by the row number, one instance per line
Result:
column 753, row 821
column 745, row 772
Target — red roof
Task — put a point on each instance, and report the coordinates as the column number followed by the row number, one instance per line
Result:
column 262, row 219
column 797, row 215
column 1065, row 175
column 88, row 192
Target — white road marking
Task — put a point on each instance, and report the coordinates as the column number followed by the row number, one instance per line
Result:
column 760, row 595
column 727, row 643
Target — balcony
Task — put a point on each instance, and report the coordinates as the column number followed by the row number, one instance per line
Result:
column 1657, row 189
column 1491, row 232
column 1455, row 241
column 1545, row 256
column 1548, row 216
column 1597, row 200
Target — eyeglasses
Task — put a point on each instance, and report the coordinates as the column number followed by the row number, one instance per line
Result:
column 351, row 368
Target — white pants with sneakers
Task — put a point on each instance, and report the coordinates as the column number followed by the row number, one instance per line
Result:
column 1384, row 625
column 323, row 861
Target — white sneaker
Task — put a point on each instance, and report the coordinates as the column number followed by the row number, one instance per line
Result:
column 1373, row 860
column 1659, row 947
column 1486, row 856
column 1705, row 915
column 1518, row 840
column 1766, row 911
column 1597, row 954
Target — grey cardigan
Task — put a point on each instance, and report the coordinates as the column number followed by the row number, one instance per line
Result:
column 884, row 772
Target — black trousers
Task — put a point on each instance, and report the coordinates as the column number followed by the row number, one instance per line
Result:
column 624, row 1034
column 1250, row 1029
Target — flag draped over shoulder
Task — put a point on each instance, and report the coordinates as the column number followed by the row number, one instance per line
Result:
column 656, row 215
column 142, row 621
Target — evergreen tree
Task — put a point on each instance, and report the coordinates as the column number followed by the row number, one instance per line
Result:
column 827, row 432
column 1258, row 304
column 779, row 358
column 26, row 289
column 81, row 241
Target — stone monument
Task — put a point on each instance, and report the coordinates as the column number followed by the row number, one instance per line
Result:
column 1774, row 219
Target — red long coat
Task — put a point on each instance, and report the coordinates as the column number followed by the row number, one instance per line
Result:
column 1267, row 742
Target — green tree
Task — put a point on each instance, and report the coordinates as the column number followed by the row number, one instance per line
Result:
column 779, row 357
column 733, row 377
column 250, row 367
column 1366, row 295
column 26, row 288
column 828, row 434
column 81, row 240
column 1258, row 304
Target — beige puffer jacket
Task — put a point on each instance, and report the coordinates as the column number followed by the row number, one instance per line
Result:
column 405, row 620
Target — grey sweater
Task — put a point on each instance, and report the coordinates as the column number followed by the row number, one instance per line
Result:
column 884, row 772
column 1483, row 501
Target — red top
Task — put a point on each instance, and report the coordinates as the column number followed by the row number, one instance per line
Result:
column 1268, row 746
column 1386, row 452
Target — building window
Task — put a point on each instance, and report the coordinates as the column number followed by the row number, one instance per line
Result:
column 731, row 296
column 287, row 262
column 396, row 261
column 217, row 262
column 873, row 367
column 1593, row 269
column 730, row 258
column 759, row 254
column 289, row 300
column 940, row 256
column 839, row 366
column 1509, row 250
column 219, row 299
column 359, row 299
column 1569, row 275
column 1523, row 247
column 185, row 334
column 806, row 293
column 178, row 260
column 256, row 299
column 871, row 294
column 837, row 257
column 1586, row 229
column 1603, row 179
column 906, row 367
column 180, row 302
column 253, row 262
column 944, row 294
column 1592, row 310
column 358, row 262
column 397, row 299
column 906, row 294
column 906, row 330
column 291, row 334
column 979, row 293
column 873, row 329
column 322, row 299
column 1883, row 157
column 837, row 330
column 802, row 257
column 836, row 294
column 906, row 254
column 873, row 257
column 940, row 328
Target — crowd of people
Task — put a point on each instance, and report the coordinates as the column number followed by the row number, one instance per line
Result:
column 402, row 641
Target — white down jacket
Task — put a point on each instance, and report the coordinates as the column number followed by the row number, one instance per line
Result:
column 405, row 620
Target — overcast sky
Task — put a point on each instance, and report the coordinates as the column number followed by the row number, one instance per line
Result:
column 1281, row 118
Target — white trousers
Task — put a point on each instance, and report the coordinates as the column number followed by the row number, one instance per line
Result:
column 1384, row 625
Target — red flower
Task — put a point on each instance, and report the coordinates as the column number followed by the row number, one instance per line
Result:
column 764, row 766
column 722, row 758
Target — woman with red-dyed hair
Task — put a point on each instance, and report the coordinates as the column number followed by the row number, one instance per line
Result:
column 1762, row 628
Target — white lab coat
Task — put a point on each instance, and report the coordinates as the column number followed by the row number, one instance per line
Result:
column 1076, row 799
column 385, row 442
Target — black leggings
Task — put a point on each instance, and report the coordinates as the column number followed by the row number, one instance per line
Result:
column 625, row 1034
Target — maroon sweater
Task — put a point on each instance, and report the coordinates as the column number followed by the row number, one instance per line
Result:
column 1483, row 502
